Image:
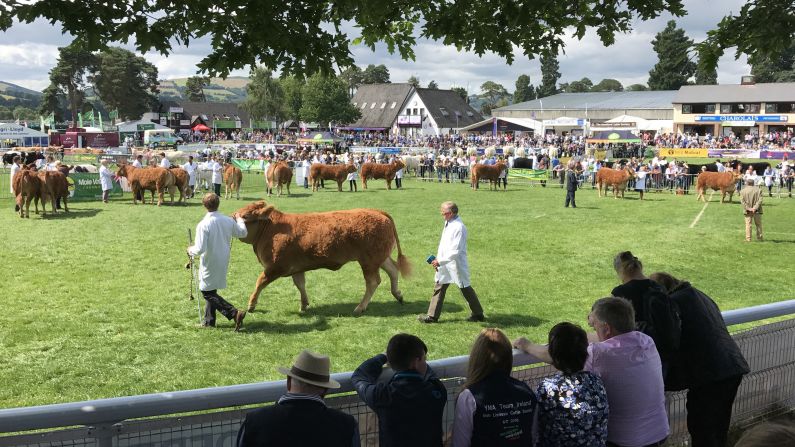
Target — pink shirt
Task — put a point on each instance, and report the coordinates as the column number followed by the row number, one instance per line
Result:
column 630, row 369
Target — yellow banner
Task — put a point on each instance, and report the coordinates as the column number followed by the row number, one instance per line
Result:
column 677, row 152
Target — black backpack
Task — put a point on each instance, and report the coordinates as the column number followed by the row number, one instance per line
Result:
column 657, row 316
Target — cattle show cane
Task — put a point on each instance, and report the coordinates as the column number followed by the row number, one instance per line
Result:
column 190, row 266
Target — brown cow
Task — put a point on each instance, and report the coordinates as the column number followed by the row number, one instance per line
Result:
column 27, row 187
column 292, row 244
column 617, row 178
column 233, row 176
column 726, row 182
column 337, row 173
column 181, row 178
column 53, row 187
column 156, row 180
column 381, row 171
column 490, row 173
column 279, row 174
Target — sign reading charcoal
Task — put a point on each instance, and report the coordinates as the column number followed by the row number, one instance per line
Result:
column 83, row 186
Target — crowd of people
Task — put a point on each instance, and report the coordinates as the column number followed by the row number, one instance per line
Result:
column 653, row 334
column 771, row 140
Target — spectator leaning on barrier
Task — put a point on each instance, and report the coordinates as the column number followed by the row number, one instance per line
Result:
column 410, row 405
column 709, row 363
column 572, row 405
column 300, row 417
column 494, row 409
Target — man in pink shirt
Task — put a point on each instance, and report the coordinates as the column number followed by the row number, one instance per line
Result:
column 628, row 364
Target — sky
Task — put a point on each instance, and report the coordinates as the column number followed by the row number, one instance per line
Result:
column 29, row 51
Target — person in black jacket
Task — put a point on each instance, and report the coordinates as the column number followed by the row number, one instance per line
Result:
column 410, row 405
column 300, row 417
column 709, row 364
column 571, row 185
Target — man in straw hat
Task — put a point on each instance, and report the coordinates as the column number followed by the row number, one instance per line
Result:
column 300, row 417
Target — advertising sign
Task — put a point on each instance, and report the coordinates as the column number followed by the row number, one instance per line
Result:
column 678, row 152
column 83, row 186
column 409, row 120
column 148, row 126
column 753, row 118
column 175, row 110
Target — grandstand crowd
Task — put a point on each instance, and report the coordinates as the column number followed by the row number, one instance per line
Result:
column 654, row 334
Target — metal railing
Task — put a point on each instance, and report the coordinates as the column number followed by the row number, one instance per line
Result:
column 769, row 350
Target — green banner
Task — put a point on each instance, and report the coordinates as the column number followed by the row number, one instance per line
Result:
column 141, row 127
column 529, row 174
column 83, row 186
column 246, row 165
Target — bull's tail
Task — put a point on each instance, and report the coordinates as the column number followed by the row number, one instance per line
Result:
column 404, row 265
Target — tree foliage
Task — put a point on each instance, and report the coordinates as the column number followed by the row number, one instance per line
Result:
column 433, row 85
column 375, row 74
column 608, row 85
column 524, row 90
column 70, row 75
column 549, row 76
column 706, row 75
column 674, row 67
column 583, row 85
column 414, row 81
column 265, row 96
column 778, row 68
column 636, row 88
column 353, row 77
column 293, row 97
column 194, row 88
column 125, row 82
column 307, row 37
column 24, row 113
column 462, row 92
column 52, row 101
column 325, row 100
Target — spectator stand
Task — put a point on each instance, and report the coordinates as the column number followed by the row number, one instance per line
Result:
column 163, row 419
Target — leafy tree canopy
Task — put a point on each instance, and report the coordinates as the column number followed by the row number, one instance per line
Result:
column 549, row 76
column 265, row 96
column 637, row 88
column 375, row 74
column 524, row 90
column 674, row 67
column 414, row 81
column 125, row 82
column 608, row 85
column 462, row 92
column 433, row 85
column 194, row 88
column 325, row 100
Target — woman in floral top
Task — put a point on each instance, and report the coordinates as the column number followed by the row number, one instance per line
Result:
column 573, row 403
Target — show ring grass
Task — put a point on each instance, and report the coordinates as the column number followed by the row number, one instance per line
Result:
column 97, row 300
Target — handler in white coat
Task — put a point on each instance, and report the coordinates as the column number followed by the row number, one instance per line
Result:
column 452, row 267
column 217, row 175
column 105, row 180
column 190, row 167
column 214, row 243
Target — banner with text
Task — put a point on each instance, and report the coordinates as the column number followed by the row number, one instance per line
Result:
column 529, row 174
column 83, row 186
column 680, row 152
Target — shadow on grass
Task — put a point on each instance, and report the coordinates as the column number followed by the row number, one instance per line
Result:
column 376, row 309
column 262, row 325
column 505, row 321
column 73, row 214
column 780, row 241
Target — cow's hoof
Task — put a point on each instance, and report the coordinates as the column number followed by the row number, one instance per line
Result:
column 250, row 309
column 399, row 297
column 304, row 308
column 358, row 311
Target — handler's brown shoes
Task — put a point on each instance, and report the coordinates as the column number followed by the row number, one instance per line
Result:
column 239, row 319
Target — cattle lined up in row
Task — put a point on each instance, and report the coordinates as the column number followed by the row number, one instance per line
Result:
column 292, row 244
column 45, row 186
column 338, row 173
column 27, row 157
column 233, row 177
column 492, row 173
column 381, row 171
column 156, row 180
column 615, row 178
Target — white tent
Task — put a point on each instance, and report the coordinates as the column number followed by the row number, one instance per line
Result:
column 487, row 124
column 644, row 124
column 18, row 135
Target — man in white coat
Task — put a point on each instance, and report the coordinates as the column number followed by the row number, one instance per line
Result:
column 452, row 267
column 164, row 162
column 217, row 175
column 214, row 243
column 105, row 180
column 190, row 167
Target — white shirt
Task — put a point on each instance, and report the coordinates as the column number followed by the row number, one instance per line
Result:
column 640, row 182
column 105, row 178
column 14, row 169
column 218, row 170
column 165, row 163
column 452, row 255
column 190, row 168
column 50, row 167
column 137, row 163
column 214, row 242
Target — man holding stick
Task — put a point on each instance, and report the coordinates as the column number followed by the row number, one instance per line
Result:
column 214, row 243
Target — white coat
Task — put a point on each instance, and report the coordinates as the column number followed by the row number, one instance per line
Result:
column 105, row 178
column 137, row 164
column 452, row 255
column 165, row 163
column 214, row 243
column 190, row 168
column 218, row 170
column 14, row 169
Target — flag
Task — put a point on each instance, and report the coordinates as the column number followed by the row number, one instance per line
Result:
column 41, row 117
column 100, row 120
column 79, row 120
column 51, row 119
column 113, row 114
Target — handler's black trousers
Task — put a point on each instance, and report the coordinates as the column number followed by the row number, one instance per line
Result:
column 709, row 411
column 570, row 199
column 215, row 302
column 217, row 188
column 439, row 290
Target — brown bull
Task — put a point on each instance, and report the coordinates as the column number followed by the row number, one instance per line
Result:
column 233, row 177
column 157, row 180
column 292, row 244
column 27, row 187
column 337, row 173
column 488, row 172
column 381, row 171
column 53, row 187
column 181, row 178
column 617, row 178
column 725, row 182
column 278, row 175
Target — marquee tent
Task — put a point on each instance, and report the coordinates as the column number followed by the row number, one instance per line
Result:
column 201, row 128
column 12, row 134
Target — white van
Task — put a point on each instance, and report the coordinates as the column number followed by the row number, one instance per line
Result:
column 161, row 138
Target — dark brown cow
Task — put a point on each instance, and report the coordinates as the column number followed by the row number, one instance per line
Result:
column 233, row 177
column 381, row 171
column 53, row 187
column 292, row 244
column 617, row 178
column 157, row 180
column 27, row 187
column 725, row 182
column 278, row 175
column 337, row 173
column 181, row 178
column 488, row 172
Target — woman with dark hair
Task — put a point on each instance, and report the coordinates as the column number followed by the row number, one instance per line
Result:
column 480, row 415
column 573, row 405
column 709, row 363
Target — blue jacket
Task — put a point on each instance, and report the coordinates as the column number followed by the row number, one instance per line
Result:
column 409, row 406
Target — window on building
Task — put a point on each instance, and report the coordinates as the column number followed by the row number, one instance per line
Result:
column 740, row 108
column 444, row 111
column 698, row 108
column 422, row 112
column 408, row 111
column 383, row 104
column 779, row 107
column 393, row 105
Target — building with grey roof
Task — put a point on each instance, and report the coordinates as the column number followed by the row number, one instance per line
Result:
column 594, row 106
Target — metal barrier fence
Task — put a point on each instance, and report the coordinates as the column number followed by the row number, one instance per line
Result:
column 768, row 389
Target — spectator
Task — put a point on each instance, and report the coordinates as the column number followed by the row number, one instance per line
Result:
column 300, row 417
column 164, row 161
column 751, row 199
column 572, row 404
column 768, row 434
column 481, row 418
column 409, row 405
column 710, row 364
column 571, row 186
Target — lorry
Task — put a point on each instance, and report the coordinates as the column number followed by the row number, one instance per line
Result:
column 155, row 138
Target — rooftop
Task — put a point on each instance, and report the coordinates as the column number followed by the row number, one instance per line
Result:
column 661, row 99
column 773, row 92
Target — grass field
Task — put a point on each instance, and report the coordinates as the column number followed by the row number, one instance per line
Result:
column 97, row 300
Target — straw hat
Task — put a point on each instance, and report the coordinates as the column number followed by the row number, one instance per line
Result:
column 312, row 368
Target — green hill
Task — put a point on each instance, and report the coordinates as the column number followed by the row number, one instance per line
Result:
column 12, row 95
column 231, row 89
